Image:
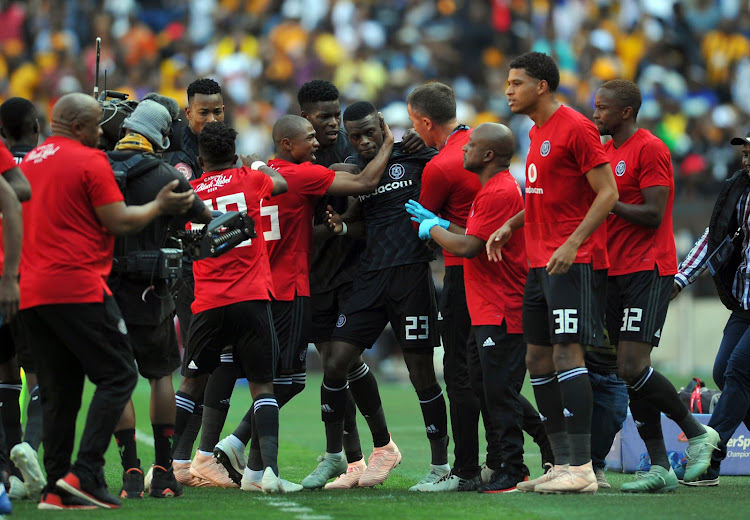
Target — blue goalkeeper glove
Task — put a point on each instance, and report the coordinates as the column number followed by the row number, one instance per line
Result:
column 426, row 225
column 420, row 213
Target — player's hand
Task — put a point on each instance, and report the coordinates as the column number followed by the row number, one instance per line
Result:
column 496, row 242
column 388, row 138
column 171, row 202
column 248, row 160
column 418, row 212
column 562, row 259
column 333, row 220
column 676, row 288
column 10, row 295
column 411, row 142
column 426, row 226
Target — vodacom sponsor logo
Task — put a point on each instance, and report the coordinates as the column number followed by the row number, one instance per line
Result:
column 531, row 175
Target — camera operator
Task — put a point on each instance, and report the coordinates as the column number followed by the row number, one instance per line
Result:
column 76, row 327
column 143, row 294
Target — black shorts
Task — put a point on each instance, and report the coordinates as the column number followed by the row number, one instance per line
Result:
column 325, row 309
column 247, row 326
column 21, row 338
column 402, row 295
column 637, row 306
column 7, row 344
column 155, row 347
column 565, row 308
column 292, row 321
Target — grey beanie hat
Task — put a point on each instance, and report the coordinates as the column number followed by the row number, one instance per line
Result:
column 151, row 120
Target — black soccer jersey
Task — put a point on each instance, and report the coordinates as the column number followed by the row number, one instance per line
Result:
column 335, row 261
column 392, row 239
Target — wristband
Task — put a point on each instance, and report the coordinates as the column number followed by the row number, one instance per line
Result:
column 257, row 164
column 345, row 228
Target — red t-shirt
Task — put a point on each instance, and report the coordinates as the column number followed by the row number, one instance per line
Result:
column 494, row 290
column 7, row 161
column 242, row 274
column 288, row 224
column 558, row 196
column 67, row 253
column 447, row 188
column 641, row 162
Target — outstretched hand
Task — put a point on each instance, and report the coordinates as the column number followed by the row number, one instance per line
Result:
column 418, row 212
column 174, row 203
column 496, row 241
column 333, row 220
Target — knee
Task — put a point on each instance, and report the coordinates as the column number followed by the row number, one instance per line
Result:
column 421, row 370
column 629, row 369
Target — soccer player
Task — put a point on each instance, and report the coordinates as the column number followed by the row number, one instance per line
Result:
column 232, row 291
column 570, row 190
column 729, row 226
column 643, row 263
column 394, row 285
column 288, row 236
column 448, row 190
column 494, row 295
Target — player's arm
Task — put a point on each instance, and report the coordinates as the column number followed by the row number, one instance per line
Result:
column 121, row 219
column 279, row 182
column 419, row 214
column 350, row 223
column 12, row 240
column 602, row 181
column 692, row 266
column 500, row 237
column 18, row 182
column 650, row 213
column 465, row 246
column 344, row 183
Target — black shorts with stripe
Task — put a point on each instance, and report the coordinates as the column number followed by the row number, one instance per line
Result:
column 292, row 321
column 565, row 308
column 248, row 327
column 637, row 306
column 325, row 310
column 403, row 295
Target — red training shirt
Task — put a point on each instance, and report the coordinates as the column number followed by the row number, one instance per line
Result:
column 67, row 253
column 494, row 290
column 7, row 161
column 558, row 196
column 447, row 188
column 641, row 162
column 288, row 225
column 242, row 274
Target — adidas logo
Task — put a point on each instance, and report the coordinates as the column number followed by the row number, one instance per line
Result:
column 192, row 365
column 224, row 401
column 658, row 333
column 432, row 429
column 638, row 424
column 542, row 418
column 567, row 413
column 440, row 316
column 488, row 343
column 326, row 408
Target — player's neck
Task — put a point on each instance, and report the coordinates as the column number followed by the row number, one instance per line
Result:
column 281, row 154
column 544, row 110
column 489, row 172
column 443, row 132
column 624, row 133
column 209, row 168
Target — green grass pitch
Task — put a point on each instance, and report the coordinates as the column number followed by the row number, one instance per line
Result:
column 301, row 440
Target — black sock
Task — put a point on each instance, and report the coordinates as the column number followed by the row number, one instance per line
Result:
column 532, row 425
column 367, row 397
column 125, row 440
column 267, row 422
column 244, row 430
column 162, row 444
column 216, row 404
column 333, row 407
column 286, row 387
column 549, row 402
column 351, row 442
column 33, row 433
column 435, row 417
column 647, row 418
column 577, row 400
column 186, row 426
column 10, row 410
column 657, row 389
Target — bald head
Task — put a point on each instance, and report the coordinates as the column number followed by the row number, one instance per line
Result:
column 77, row 116
column 490, row 147
column 289, row 127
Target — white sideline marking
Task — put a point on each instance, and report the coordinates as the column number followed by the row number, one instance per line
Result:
column 294, row 507
column 144, row 438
